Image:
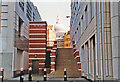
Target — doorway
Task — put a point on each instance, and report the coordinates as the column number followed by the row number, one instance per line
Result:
column 35, row 66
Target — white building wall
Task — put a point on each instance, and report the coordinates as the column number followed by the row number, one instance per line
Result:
column 93, row 66
column 11, row 59
column 115, row 28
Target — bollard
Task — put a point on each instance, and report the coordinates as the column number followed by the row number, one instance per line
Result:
column 45, row 76
column 30, row 74
column 2, row 76
column 65, row 74
column 21, row 75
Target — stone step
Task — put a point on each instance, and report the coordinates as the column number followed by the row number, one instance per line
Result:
column 65, row 58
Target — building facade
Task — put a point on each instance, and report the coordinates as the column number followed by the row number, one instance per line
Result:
column 59, row 32
column 60, row 42
column 67, row 40
column 37, row 46
column 14, row 35
column 50, row 35
column 95, row 30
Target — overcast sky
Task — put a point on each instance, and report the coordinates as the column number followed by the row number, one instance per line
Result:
column 50, row 9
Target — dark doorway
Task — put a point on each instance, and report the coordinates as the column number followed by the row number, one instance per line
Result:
column 35, row 66
column 48, row 60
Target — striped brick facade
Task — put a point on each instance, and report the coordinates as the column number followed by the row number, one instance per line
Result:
column 37, row 43
column 76, row 57
column 53, row 56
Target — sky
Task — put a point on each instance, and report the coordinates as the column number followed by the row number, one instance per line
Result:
column 50, row 9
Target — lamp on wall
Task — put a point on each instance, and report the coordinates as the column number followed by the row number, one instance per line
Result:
column 35, row 55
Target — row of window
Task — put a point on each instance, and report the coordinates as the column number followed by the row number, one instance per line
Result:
column 38, row 25
column 28, row 10
column 84, row 20
column 21, row 4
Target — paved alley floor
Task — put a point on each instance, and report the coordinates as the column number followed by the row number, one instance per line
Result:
column 39, row 78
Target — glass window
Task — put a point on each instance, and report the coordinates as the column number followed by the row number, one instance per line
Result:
column 4, row 15
column 86, row 18
column 4, row 22
column 29, row 11
column 21, row 4
column 4, row 9
column 91, row 10
column 82, row 25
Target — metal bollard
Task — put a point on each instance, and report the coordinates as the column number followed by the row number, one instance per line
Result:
column 2, row 74
column 30, row 74
column 65, row 74
column 21, row 75
column 45, row 76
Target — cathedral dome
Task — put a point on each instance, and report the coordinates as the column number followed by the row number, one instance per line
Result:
column 59, row 28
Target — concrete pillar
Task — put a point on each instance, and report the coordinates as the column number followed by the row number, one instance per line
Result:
column 96, row 59
column 53, row 56
column 82, row 60
column 115, row 29
column 78, row 62
column 86, row 58
column 92, row 58
column 107, row 42
column 90, row 67
column 53, row 60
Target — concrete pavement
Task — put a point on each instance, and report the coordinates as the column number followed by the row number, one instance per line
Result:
column 39, row 78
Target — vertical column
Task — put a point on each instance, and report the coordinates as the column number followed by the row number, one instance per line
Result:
column 108, row 42
column 78, row 62
column 55, row 45
column 53, row 56
column 90, row 67
column 92, row 57
column 97, row 39
column 96, row 54
column 115, row 29
column 86, row 57
column 53, row 60
column 77, row 57
column 74, row 49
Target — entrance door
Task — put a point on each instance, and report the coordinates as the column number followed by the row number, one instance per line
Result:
column 35, row 66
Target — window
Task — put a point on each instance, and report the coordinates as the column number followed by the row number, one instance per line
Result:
column 4, row 22
column 91, row 10
column 86, row 17
column 77, row 34
column 33, row 16
column 67, row 39
column 29, row 11
column 20, row 26
column 75, row 37
column 66, row 44
column 81, row 24
column 4, row 9
column 79, row 30
column 21, row 4
column 4, row 15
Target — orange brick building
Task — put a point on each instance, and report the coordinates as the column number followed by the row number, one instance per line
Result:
column 37, row 46
column 50, row 35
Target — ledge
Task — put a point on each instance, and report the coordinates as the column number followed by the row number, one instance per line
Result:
column 52, row 56
column 53, row 50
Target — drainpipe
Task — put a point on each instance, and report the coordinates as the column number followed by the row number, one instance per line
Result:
column 98, row 39
column 103, row 42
